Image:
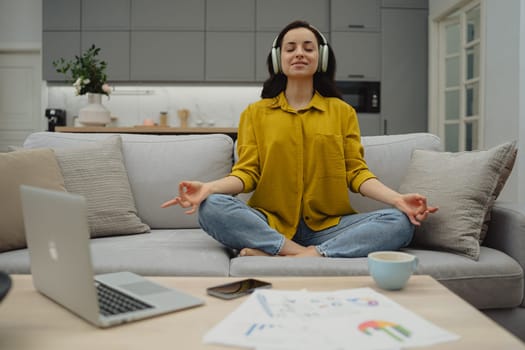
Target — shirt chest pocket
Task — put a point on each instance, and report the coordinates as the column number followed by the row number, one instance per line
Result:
column 329, row 156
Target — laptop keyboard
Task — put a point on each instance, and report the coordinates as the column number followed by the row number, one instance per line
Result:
column 113, row 302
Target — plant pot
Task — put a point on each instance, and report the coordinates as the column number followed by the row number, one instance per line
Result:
column 94, row 114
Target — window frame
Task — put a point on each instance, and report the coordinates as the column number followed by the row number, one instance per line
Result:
column 437, row 81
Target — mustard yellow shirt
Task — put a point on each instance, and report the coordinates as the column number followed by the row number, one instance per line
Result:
column 300, row 163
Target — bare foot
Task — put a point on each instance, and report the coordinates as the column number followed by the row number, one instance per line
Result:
column 307, row 252
column 252, row 252
column 304, row 252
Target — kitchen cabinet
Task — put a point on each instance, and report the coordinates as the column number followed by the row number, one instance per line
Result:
column 108, row 30
column 114, row 50
column 167, row 15
column 411, row 4
column 370, row 124
column 54, row 46
column 230, row 15
column 230, row 40
column 103, row 15
column 61, row 15
column 61, row 34
column 263, row 47
column 355, row 15
column 356, row 39
column 162, row 56
column 358, row 55
column 230, row 56
column 404, row 81
column 188, row 40
column 273, row 15
column 167, row 40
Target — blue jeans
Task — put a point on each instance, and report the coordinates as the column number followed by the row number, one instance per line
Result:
column 236, row 225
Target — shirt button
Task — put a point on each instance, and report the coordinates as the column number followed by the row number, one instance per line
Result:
column 307, row 218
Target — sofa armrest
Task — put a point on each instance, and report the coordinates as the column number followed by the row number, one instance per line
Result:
column 506, row 230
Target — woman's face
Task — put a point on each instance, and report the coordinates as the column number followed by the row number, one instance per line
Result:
column 299, row 53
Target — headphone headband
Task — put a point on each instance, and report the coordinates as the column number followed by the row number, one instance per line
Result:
column 323, row 52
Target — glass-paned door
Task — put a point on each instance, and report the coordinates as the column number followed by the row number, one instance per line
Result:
column 460, row 79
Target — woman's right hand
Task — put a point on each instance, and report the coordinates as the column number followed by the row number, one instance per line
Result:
column 191, row 194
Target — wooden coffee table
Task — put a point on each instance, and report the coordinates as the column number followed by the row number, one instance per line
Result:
column 29, row 320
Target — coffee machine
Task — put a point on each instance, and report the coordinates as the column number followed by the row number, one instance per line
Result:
column 56, row 117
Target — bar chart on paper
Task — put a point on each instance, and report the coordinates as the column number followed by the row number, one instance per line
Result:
column 346, row 319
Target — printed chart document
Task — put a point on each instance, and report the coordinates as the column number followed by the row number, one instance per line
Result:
column 347, row 319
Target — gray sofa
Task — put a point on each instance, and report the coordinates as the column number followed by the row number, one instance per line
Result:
column 176, row 246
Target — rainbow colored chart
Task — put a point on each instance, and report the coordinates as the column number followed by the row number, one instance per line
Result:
column 400, row 333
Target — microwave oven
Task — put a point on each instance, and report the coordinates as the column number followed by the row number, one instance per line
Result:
column 364, row 96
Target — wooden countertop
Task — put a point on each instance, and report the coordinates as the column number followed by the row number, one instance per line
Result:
column 147, row 130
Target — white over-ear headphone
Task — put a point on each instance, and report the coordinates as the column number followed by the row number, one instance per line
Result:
column 323, row 54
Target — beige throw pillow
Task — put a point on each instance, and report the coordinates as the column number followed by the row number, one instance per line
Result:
column 36, row 167
column 98, row 173
column 464, row 186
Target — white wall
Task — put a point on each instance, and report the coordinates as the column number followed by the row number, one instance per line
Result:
column 504, row 68
column 502, row 87
column 20, row 70
column 20, row 24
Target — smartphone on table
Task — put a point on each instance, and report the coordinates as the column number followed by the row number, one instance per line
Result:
column 237, row 289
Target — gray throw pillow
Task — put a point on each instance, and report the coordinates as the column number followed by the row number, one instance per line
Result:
column 464, row 186
column 98, row 173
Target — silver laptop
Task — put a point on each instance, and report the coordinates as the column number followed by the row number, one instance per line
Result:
column 58, row 240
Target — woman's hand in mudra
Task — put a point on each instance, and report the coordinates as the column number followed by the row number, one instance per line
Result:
column 415, row 207
column 191, row 194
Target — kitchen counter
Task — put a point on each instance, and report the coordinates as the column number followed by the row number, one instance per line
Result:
column 140, row 129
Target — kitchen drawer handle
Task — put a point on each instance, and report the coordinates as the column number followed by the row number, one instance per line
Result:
column 356, row 26
column 356, row 76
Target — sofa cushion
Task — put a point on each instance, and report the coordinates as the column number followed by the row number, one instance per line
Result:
column 286, row 266
column 494, row 281
column 156, row 164
column 183, row 252
column 29, row 167
column 97, row 172
column 464, row 186
column 388, row 157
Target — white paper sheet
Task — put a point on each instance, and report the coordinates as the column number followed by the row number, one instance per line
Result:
column 339, row 320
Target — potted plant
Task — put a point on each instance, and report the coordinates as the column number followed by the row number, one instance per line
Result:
column 88, row 75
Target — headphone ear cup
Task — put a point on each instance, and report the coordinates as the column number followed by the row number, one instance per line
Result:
column 323, row 58
column 276, row 59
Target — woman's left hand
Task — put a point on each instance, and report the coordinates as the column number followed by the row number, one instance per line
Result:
column 415, row 207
